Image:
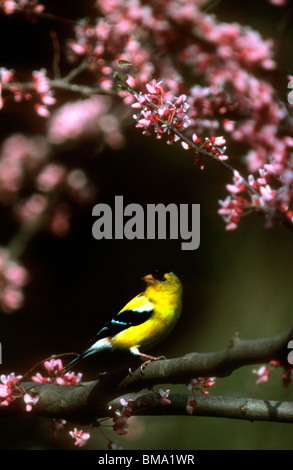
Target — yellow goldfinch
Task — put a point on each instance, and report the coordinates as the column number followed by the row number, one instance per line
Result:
column 144, row 321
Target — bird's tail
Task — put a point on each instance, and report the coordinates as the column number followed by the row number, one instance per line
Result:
column 72, row 364
column 77, row 360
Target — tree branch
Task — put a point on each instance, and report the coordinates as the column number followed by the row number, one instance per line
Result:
column 90, row 400
column 215, row 364
column 60, row 84
column 212, row 406
column 77, row 404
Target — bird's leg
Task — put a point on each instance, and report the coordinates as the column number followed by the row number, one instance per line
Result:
column 150, row 359
column 146, row 357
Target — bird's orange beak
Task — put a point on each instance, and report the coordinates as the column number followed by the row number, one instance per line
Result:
column 149, row 279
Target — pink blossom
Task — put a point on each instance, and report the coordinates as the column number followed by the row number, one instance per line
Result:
column 79, row 186
column 264, row 372
column 13, row 276
column 229, row 125
column 53, row 365
column 57, row 425
column 11, row 298
column 44, row 92
column 160, row 115
column 77, row 120
column 50, row 177
column 122, row 415
column 113, row 445
column 6, row 75
column 41, row 93
column 198, row 384
column 10, row 6
column 201, row 384
column 15, row 273
column 9, row 389
column 164, row 397
column 19, row 156
column 211, row 145
column 191, row 406
column 76, row 179
column 54, row 369
column 263, row 375
column 70, row 378
column 30, row 401
column 278, row 3
column 80, row 437
column 59, row 223
column 42, row 110
column 287, row 377
column 232, row 208
column 28, row 210
column 238, row 186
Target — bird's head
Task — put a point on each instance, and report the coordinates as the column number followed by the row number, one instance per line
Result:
column 161, row 280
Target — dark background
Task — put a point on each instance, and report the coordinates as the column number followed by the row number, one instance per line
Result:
column 237, row 281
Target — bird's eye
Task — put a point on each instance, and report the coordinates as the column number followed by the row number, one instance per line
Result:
column 159, row 274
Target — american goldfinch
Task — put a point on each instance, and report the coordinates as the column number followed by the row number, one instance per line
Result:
column 144, row 321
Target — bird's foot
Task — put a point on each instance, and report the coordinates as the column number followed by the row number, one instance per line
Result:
column 150, row 359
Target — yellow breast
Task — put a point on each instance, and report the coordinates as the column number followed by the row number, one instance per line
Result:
column 167, row 310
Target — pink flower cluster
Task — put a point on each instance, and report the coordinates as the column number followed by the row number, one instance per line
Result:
column 230, row 85
column 10, row 388
column 264, row 372
column 122, row 415
column 30, row 401
column 211, row 145
column 271, row 193
column 164, row 397
column 198, row 384
column 24, row 160
column 84, row 120
column 279, row 3
column 28, row 6
column 113, row 445
column 39, row 90
column 201, row 384
column 159, row 115
column 80, row 437
column 214, row 84
column 54, row 368
column 13, row 277
column 44, row 93
column 207, row 105
column 20, row 156
column 109, row 40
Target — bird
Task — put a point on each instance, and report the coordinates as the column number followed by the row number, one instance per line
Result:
column 142, row 323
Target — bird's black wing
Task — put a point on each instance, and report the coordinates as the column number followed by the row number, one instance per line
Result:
column 137, row 311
